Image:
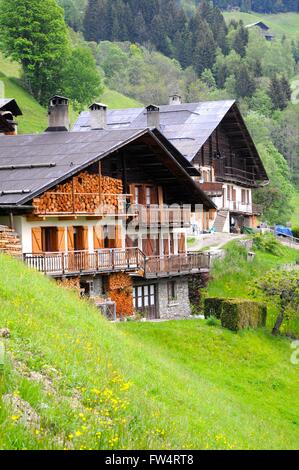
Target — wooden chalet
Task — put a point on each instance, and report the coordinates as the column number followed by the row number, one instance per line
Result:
column 214, row 139
column 106, row 210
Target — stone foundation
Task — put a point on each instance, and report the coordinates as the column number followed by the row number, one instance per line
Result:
column 179, row 308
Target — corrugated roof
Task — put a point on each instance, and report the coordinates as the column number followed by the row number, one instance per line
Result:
column 187, row 126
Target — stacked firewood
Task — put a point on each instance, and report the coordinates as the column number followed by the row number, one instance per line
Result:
column 9, row 241
column 72, row 284
column 85, row 193
column 120, row 287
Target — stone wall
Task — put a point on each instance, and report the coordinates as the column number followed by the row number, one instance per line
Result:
column 180, row 308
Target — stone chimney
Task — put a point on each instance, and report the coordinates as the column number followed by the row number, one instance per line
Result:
column 58, row 113
column 153, row 116
column 175, row 99
column 98, row 116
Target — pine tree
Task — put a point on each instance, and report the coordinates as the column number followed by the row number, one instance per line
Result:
column 245, row 83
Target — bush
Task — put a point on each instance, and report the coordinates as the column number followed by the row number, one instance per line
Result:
column 213, row 307
column 267, row 243
column 295, row 231
column 213, row 321
column 238, row 314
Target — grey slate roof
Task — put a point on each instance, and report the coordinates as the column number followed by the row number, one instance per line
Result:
column 68, row 152
column 186, row 126
column 32, row 164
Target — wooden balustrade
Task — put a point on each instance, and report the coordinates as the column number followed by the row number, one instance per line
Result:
column 116, row 260
column 162, row 216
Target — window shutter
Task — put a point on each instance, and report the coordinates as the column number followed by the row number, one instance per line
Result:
column 182, row 243
column 70, row 238
column 98, row 239
column 85, row 238
column 61, row 239
column 118, row 236
column 37, row 242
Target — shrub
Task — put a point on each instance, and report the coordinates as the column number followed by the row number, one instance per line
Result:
column 213, row 307
column 267, row 243
column 295, row 231
column 238, row 314
column 213, row 321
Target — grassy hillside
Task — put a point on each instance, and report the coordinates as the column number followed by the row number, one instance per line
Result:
column 280, row 24
column 34, row 117
column 73, row 380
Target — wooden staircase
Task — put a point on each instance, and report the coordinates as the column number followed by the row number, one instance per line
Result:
column 220, row 220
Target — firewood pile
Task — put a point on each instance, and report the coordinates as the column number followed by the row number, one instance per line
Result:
column 9, row 241
column 120, row 287
column 72, row 284
column 85, row 193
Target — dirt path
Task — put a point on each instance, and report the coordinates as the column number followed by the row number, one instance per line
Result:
column 215, row 241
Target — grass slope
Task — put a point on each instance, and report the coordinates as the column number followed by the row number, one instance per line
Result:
column 34, row 119
column 173, row 385
column 280, row 23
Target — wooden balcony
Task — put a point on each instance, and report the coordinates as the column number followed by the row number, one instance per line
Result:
column 130, row 260
column 159, row 216
column 238, row 176
column 212, row 189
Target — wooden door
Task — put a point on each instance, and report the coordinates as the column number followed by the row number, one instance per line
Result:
column 145, row 301
column 182, row 243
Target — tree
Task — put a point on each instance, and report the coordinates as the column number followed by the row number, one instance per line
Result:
column 33, row 32
column 82, row 80
column 282, row 289
column 240, row 40
column 280, row 92
column 245, row 83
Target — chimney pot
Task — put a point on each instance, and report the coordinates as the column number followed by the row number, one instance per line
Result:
column 58, row 113
column 98, row 116
column 175, row 99
column 153, row 116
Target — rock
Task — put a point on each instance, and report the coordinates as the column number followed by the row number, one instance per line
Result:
column 4, row 333
column 23, row 410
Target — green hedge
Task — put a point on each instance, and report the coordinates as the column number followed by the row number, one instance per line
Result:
column 213, row 307
column 238, row 314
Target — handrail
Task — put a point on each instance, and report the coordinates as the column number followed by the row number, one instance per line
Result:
column 116, row 260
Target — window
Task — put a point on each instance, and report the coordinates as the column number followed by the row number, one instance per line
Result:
column 144, row 297
column 49, row 239
column 137, row 195
column 172, row 291
column 148, row 193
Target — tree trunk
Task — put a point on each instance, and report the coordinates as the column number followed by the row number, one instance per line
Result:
column 278, row 323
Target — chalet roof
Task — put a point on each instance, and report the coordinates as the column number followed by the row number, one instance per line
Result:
column 260, row 24
column 32, row 164
column 187, row 126
column 10, row 104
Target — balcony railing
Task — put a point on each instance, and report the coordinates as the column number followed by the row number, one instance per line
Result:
column 239, row 176
column 244, row 208
column 177, row 264
column 161, row 216
column 116, row 260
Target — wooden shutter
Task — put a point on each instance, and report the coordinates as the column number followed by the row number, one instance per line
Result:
column 160, row 196
column 182, row 243
column 118, row 236
column 98, row 239
column 70, row 238
column 84, row 238
column 37, row 241
column 61, row 239
column 166, row 246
